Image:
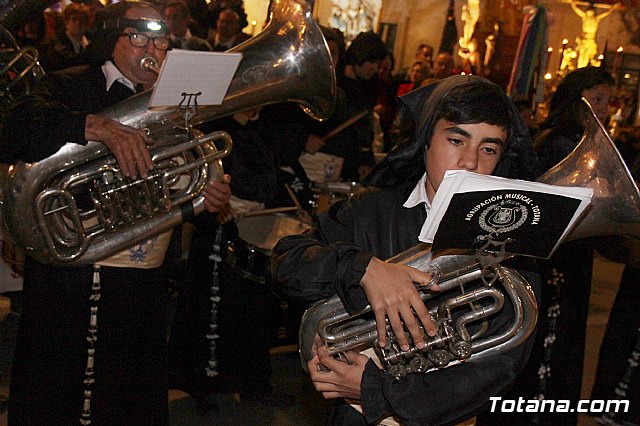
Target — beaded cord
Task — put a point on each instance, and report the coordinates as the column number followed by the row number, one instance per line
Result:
column 92, row 337
column 620, row 391
column 212, row 336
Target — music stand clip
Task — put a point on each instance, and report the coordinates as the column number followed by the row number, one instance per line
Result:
column 188, row 107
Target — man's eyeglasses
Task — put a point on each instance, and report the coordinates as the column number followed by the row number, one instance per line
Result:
column 141, row 40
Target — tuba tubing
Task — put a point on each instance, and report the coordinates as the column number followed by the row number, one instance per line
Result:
column 288, row 62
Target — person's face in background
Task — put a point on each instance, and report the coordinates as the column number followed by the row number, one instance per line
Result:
column 76, row 26
column 127, row 57
column 227, row 24
column 31, row 29
column 600, row 98
column 425, row 55
column 443, row 66
column 528, row 116
column 367, row 70
column 176, row 21
column 418, row 72
column 473, row 147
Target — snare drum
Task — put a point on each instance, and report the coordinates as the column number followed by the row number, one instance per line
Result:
column 328, row 193
column 249, row 254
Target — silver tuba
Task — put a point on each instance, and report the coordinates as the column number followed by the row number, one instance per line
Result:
column 76, row 207
column 462, row 317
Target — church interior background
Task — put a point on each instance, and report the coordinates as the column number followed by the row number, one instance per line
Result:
column 488, row 34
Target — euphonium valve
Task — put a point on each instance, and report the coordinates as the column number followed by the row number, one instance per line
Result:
column 461, row 319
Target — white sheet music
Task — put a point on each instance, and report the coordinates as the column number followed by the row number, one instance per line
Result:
column 189, row 71
column 461, row 182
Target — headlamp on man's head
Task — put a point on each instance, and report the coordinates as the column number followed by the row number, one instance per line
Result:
column 142, row 25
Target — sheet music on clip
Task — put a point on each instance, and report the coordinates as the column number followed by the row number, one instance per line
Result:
column 191, row 72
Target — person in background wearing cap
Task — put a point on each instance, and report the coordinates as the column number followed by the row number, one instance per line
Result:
column 359, row 82
column 92, row 339
column 458, row 123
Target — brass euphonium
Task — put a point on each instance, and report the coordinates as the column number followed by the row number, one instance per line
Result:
column 76, row 207
column 594, row 163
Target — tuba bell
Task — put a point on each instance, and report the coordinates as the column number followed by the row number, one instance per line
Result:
column 460, row 319
column 76, row 207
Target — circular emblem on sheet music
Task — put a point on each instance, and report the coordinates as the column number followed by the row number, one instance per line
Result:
column 503, row 217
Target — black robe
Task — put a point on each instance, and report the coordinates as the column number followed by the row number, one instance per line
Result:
column 47, row 385
column 332, row 258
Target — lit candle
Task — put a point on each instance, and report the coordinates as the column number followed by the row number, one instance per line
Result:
column 564, row 45
column 617, row 63
column 253, row 27
column 549, row 51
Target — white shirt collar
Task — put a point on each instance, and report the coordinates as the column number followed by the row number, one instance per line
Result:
column 113, row 74
column 186, row 37
column 419, row 195
column 228, row 44
column 77, row 45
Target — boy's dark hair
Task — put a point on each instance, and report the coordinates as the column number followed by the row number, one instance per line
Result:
column 366, row 47
column 473, row 104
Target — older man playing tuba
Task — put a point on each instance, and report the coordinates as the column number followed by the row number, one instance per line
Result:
column 91, row 346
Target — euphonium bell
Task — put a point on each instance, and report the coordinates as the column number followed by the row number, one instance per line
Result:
column 614, row 214
column 76, row 207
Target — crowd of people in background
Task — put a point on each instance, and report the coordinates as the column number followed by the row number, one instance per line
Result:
column 266, row 170
column 62, row 32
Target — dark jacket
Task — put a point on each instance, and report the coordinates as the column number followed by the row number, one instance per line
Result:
column 54, row 113
column 332, row 258
column 52, row 343
column 59, row 54
column 194, row 43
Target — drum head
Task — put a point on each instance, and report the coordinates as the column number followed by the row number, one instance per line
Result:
column 266, row 230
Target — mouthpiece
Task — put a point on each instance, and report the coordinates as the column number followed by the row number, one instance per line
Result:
column 149, row 64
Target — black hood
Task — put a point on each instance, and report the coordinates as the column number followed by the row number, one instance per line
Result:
column 405, row 163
